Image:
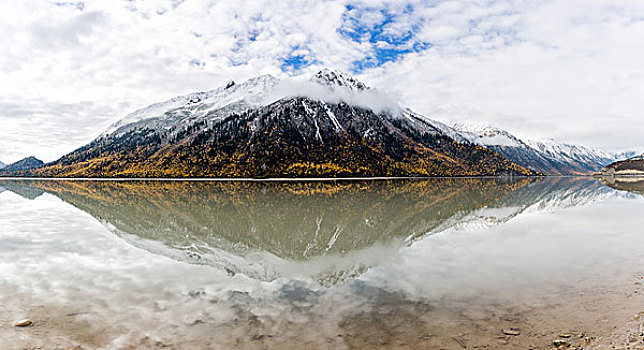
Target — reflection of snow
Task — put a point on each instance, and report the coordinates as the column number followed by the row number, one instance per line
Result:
column 534, row 198
column 333, row 238
column 533, row 251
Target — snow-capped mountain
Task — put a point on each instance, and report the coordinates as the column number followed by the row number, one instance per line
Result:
column 546, row 156
column 570, row 152
column 2, row 165
column 230, row 98
column 628, row 155
column 198, row 106
column 486, row 135
column 332, row 125
column 334, row 78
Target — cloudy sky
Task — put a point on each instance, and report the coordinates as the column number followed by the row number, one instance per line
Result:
column 566, row 69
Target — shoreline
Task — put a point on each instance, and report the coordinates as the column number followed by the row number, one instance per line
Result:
column 279, row 179
column 583, row 319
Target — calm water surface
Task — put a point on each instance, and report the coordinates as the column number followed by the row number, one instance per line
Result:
column 441, row 263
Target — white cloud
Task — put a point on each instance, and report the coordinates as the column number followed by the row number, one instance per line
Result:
column 569, row 69
column 562, row 69
column 376, row 100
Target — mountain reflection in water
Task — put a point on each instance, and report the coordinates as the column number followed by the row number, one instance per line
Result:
column 316, row 229
column 422, row 264
column 630, row 184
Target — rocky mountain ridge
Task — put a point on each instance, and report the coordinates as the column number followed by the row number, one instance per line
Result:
column 546, row 156
column 331, row 126
column 26, row 164
column 630, row 167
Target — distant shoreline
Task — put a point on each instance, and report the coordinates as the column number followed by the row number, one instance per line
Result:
column 275, row 179
column 622, row 176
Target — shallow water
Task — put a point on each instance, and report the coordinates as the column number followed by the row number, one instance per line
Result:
column 440, row 263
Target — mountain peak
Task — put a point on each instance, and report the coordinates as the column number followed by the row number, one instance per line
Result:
column 487, row 135
column 24, row 164
column 475, row 127
column 264, row 79
column 252, row 92
column 333, row 77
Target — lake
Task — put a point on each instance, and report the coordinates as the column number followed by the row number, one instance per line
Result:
column 447, row 263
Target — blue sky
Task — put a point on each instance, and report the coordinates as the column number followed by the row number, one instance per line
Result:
column 387, row 43
column 385, row 30
column 378, row 27
column 563, row 69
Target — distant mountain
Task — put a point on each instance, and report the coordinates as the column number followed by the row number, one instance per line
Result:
column 626, row 155
column 23, row 165
column 630, row 167
column 546, row 156
column 330, row 126
column 2, row 165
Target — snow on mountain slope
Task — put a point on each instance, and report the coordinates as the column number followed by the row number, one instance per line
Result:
column 438, row 126
column 627, row 155
column 2, row 165
column 560, row 150
column 251, row 93
column 330, row 86
column 185, row 117
column 332, row 77
column 255, row 92
column 486, row 135
column 331, row 125
column 546, row 156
